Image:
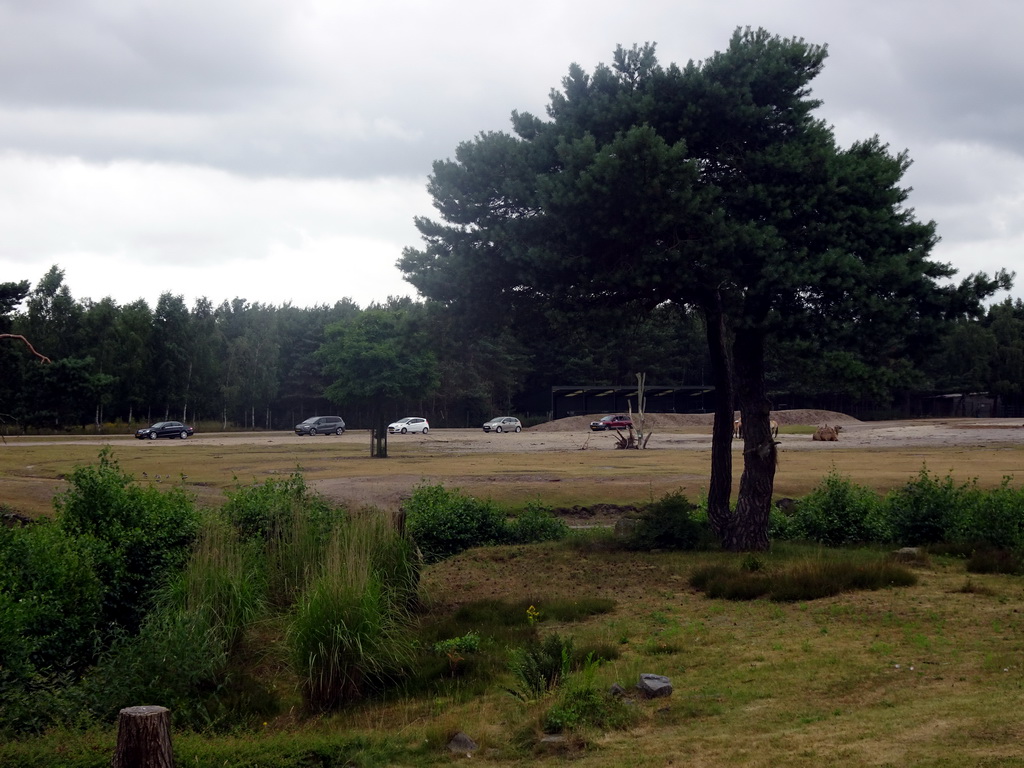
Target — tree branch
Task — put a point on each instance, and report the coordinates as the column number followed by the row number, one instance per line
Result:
column 28, row 344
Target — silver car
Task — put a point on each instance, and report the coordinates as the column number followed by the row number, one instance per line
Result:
column 503, row 424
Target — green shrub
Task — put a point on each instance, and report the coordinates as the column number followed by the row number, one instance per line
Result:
column 998, row 519
column 539, row 666
column 137, row 537
column 50, row 601
column 445, row 522
column 839, row 512
column 181, row 656
column 929, row 509
column 581, row 704
column 536, row 523
column 467, row 643
column 671, row 522
column 264, row 511
column 174, row 660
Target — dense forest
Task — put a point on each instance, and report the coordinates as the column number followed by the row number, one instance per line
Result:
column 248, row 365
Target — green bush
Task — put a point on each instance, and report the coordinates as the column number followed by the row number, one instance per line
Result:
column 445, row 522
column 998, row 519
column 182, row 653
column 539, row 666
column 50, row 601
column 266, row 510
column 137, row 537
column 929, row 509
column 581, row 704
column 671, row 522
column 839, row 512
column 536, row 523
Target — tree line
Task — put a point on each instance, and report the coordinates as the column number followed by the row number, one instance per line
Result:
column 258, row 366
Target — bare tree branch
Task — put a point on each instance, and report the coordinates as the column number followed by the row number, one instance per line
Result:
column 28, row 344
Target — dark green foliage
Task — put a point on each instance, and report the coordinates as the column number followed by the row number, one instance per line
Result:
column 521, row 613
column 809, row 580
column 998, row 519
column 930, row 509
column 264, row 511
column 539, row 666
column 581, row 704
column 994, row 560
column 175, row 660
column 136, row 536
column 302, row 748
column 444, row 522
column 50, row 602
column 536, row 523
column 837, row 512
column 671, row 522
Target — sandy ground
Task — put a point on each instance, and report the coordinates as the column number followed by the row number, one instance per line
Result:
column 669, row 432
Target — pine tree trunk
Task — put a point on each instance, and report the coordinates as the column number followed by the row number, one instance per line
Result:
column 720, row 486
column 144, row 738
column 750, row 525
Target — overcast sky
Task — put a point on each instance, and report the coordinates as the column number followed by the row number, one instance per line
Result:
column 278, row 150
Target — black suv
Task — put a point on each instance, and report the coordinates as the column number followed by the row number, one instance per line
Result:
column 321, row 425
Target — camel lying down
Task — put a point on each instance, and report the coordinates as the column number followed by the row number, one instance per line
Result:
column 827, row 434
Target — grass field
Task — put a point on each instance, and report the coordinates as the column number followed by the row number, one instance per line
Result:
column 928, row 675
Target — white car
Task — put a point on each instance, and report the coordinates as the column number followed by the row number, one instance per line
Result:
column 504, row 424
column 409, row 424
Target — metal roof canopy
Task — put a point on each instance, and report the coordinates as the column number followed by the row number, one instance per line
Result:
column 592, row 399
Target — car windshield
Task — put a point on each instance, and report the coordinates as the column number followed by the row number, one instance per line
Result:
column 406, row 420
column 311, row 420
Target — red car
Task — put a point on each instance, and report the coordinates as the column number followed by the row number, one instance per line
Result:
column 611, row 422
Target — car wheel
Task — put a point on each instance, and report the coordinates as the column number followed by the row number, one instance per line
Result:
column 183, row 434
column 341, row 431
column 312, row 431
column 425, row 430
column 497, row 429
column 404, row 430
column 152, row 435
column 519, row 429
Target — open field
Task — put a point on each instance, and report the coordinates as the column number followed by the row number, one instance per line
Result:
column 560, row 464
column 928, row 675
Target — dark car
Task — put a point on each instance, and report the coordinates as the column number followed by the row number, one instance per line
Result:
column 165, row 429
column 321, row 425
column 611, row 422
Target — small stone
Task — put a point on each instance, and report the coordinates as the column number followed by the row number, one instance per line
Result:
column 461, row 743
column 654, row 686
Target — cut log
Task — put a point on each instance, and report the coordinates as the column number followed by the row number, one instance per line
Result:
column 144, row 738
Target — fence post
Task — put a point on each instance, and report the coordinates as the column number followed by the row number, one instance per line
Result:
column 144, row 738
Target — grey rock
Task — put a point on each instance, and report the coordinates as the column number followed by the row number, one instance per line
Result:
column 654, row 686
column 461, row 743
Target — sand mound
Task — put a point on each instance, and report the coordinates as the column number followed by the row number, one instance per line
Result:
column 681, row 420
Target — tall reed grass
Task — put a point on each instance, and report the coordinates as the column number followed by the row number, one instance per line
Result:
column 350, row 634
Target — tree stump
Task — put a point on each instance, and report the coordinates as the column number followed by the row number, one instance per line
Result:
column 144, row 738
